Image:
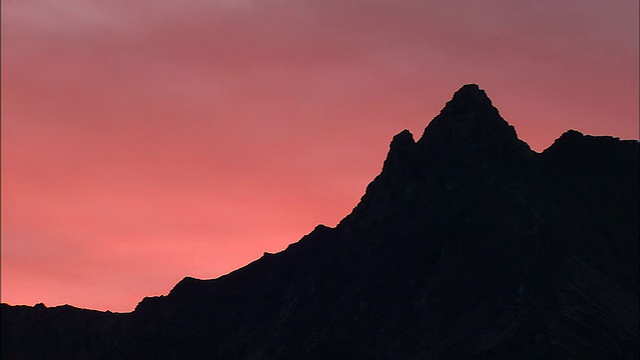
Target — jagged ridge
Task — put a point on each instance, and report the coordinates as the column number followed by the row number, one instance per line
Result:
column 467, row 245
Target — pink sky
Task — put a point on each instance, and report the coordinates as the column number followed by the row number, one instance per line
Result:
column 145, row 141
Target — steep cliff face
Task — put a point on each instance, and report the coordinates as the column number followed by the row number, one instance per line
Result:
column 467, row 245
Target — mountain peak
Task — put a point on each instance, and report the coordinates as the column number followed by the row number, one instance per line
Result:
column 470, row 104
column 468, row 127
column 471, row 93
column 402, row 151
column 402, row 139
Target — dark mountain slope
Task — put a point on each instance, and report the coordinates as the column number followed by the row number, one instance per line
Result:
column 63, row 332
column 468, row 245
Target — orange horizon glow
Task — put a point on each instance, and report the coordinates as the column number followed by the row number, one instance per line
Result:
column 145, row 142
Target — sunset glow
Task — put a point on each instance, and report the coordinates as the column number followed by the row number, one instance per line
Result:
column 143, row 142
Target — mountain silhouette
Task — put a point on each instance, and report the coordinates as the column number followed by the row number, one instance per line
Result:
column 467, row 245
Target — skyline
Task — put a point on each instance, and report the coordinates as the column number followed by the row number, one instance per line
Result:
column 145, row 143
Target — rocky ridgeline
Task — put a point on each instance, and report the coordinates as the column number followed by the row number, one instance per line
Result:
column 467, row 245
